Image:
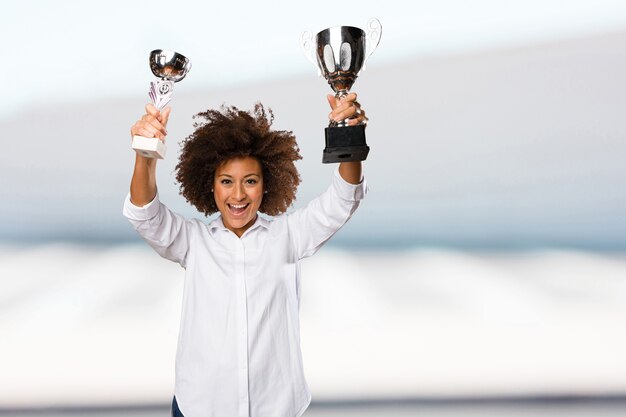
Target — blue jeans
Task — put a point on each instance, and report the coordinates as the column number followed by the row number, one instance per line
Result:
column 175, row 411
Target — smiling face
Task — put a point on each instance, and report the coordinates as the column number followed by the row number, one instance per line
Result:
column 238, row 192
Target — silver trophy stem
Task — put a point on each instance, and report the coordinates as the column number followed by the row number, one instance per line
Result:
column 161, row 92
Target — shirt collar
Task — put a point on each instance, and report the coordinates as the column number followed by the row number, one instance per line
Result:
column 218, row 224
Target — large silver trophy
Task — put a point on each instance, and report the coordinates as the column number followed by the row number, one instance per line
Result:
column 339, row 54
column 169, row 67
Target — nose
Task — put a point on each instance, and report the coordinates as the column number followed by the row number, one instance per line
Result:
column 239, row 192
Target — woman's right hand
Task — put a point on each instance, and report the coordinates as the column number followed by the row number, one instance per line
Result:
column 152, row 124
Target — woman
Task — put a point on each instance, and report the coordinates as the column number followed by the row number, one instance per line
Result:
column 239, row 343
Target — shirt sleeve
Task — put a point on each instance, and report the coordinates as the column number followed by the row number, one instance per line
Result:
column 167, row 232
column 310, row 227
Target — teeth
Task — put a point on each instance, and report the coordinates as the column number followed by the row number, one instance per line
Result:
column 238, row 206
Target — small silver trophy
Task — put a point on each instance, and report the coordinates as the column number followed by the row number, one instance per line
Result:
column 339, row 54
column 169, row 67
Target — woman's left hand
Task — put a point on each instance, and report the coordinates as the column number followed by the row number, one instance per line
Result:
column 346, row 108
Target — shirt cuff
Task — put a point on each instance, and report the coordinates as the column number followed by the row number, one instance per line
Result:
column 347, row 191
column 146, row 212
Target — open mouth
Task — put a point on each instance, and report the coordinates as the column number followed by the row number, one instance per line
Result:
column 237, row 209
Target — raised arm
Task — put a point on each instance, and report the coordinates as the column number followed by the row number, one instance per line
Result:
column 164, row 230
column 152, row 124
column 311, row 226
column 342, row 109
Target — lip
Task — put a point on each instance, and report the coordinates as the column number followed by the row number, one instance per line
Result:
column 242, row 207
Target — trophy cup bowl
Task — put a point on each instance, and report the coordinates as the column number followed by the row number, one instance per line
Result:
column 169, row 67
column 340, row 56
column 339, row 53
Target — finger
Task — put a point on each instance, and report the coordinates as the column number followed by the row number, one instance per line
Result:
column 357, row 121
column 339, row 111
column 147, row 130
column 156, row 132
column 360, row 119
column 332, row 101
column 148, row 118
column 165, row 114
column 139, row 130
column 153, row 111
column 344, row 112
column 345, row 105
column 349, row 98
column 146, row 133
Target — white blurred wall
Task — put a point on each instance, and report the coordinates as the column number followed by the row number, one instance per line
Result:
column 97, row 326
column 511, row 147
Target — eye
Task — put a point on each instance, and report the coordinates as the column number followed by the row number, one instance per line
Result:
column 251, row 181
column 225, row 181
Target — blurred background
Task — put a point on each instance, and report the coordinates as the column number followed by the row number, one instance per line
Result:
column 485, row 272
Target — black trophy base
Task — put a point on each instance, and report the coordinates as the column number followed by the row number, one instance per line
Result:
column 344, row 144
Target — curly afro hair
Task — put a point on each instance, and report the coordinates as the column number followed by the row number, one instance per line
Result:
column 232, row 133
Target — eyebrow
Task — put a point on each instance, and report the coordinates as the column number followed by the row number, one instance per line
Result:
column 245, row 176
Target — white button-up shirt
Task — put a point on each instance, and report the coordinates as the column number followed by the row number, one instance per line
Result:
column 239, row 344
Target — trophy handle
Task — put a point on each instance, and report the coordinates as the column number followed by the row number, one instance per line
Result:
column 373, row 34
column 308, row 47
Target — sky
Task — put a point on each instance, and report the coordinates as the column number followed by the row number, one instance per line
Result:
column 70, row 50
